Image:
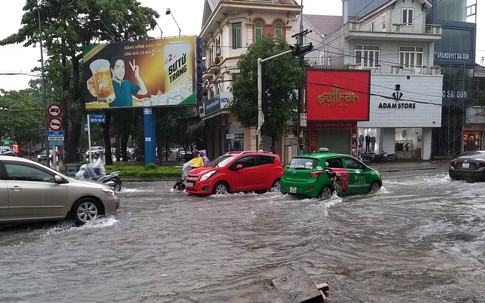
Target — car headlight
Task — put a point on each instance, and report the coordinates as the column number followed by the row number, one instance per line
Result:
column 207, row 175
column 108, row 191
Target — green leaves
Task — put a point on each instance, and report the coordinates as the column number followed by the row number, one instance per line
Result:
column 23, row 121
column 281, row 77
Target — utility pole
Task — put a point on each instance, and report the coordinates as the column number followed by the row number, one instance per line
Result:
column 301, row 90
column 43, row 90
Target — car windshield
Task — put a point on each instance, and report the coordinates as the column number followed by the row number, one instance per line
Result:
column 303, row 163
column 222, row 161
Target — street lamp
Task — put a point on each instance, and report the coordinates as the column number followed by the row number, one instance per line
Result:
column 259, row 137
column 161, row 32
column 44, row 97
column 169, row 12
column 296, row 50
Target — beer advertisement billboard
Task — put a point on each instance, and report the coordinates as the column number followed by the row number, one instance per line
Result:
column 147, row 73
column 341, row 95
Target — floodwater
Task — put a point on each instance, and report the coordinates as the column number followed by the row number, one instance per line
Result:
column 420, row 239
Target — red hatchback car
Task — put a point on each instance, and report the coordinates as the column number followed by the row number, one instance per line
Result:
column 243, row 171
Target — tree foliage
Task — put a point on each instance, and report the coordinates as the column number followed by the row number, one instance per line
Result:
column 174, row 128
column 64, row 27
column 24, row 120
column 281, row 78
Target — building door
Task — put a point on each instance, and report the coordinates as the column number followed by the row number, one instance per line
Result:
column 336, row 140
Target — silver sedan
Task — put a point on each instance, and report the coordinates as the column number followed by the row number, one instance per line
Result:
column 31, row 192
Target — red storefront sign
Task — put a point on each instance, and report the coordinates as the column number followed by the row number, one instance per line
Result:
column 338, row 95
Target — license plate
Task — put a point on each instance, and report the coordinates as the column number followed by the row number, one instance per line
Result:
column 189, row 184
column 293, row 189
column 465, row 165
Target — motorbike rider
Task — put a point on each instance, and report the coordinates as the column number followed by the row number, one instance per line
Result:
column 96, row 169
column 195, row 162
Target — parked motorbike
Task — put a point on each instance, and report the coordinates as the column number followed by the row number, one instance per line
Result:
column 368, row 157
column 389, row 157
column 95, row 172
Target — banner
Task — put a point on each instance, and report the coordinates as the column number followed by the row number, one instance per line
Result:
column 338, row 95
column 146, row 73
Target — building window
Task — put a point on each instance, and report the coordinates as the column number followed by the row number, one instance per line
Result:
column 278, row 30
column 258, row 30
column 407, row 16
column 236, row 35
column 410, row 56
column 367, row 55
column 209, row 56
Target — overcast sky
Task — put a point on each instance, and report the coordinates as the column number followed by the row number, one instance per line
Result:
column 187, row 14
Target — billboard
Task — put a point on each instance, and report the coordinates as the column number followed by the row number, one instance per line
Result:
column 147, row 73
column 341, row 95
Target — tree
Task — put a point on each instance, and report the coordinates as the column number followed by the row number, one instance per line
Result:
column 24, row 120
column 175, row 129
column 281, row 76
column 64, row 27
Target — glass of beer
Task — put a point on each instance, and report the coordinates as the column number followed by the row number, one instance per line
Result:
column 102, row 80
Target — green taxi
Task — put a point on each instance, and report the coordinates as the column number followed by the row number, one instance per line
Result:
column 322, row 173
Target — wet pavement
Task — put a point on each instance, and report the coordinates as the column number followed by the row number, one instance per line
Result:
column 420, row 239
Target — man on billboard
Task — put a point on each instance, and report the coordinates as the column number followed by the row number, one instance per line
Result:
column 123, row 89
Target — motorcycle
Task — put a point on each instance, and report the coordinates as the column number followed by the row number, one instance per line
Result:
column 95, row 172
column 389, row 157
column 180, row 184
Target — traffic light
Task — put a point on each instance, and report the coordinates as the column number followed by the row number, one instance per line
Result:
column 267, row 103
column 199, row 71
column 300, row 50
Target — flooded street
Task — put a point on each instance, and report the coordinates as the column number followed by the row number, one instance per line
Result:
column 420, row 239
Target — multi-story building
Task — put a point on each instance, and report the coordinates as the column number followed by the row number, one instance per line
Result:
column 412, row 43
column 393, row 41
column 228, row 28
column 455, row 53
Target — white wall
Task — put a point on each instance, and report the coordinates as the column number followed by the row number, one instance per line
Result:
column 422, row 90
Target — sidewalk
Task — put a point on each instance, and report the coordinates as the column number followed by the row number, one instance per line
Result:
column 408, row 165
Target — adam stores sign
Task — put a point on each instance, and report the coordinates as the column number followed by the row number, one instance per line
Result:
column 338, row 95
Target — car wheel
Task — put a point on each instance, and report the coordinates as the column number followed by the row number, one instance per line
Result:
column 326, row 192
column 220, row 188
column 470, row 180
column 276, row 185
column 85, row 210
column 374, row 187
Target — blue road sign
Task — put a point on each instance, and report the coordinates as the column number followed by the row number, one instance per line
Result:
column 55, row 135
column 97, row 118
column 56, row 143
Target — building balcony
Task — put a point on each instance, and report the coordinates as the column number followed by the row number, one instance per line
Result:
column 399, row 70
column 213, row 69
column 376, row 31
column 423, row 70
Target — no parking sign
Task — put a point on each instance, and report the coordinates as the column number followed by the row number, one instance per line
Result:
column 55, row 124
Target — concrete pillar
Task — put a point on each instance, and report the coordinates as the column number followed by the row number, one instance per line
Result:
column 426, row 151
